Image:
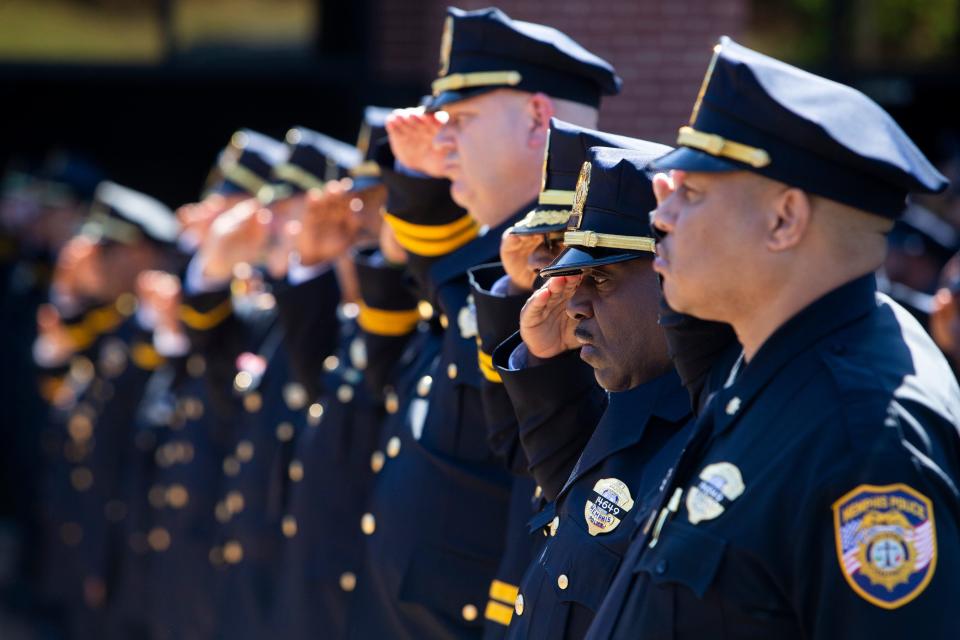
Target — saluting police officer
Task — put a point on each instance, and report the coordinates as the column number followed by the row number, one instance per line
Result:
column 818, row 496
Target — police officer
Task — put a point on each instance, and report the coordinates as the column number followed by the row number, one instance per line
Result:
column 818, row 496
column 500, row 83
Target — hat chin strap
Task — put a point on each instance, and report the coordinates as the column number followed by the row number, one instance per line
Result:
column 609, row 241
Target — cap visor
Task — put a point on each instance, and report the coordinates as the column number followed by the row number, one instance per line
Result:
column 687, row 159
column 541, row 229
column 574, row 260
column 437, row 103
column 364, row 182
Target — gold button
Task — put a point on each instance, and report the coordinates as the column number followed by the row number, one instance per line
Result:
column 245, row 451
column 563, row 582
column 158, row 539
column 231, row 466
column 252, row 402
column 80, row 427
column 423, row 386
column 554, row 525
column 469, row 612
column 289, row 526
column 177, row 496
column 518, row 604
column 295, row 470
column 733, row 406
column 330, row 363
column 242, row 381
column 196, row 366
column 393, row 447
column 232, row 552
column 376, row 461
column 444, row 320
column 391, row 402
column 368, row 524
column 234, row 502
column 81, row 478
column 538, row 491
column 295, row 395
column 425, row 309
column 345, row 393
column 348, row 581
column 315, row 414
column 452, row 370
column 284, row 432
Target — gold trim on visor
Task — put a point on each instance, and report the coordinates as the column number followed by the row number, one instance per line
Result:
column 368, row 169
column 541, row 217
column 240, row 175
column 457, row 81
column 298, row 176
column 556, row 197
column 718, row 146
column 609, row 241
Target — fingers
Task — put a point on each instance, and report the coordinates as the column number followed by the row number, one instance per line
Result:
column 663, row 186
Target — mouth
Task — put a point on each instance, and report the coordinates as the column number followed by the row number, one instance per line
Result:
column 660, row 260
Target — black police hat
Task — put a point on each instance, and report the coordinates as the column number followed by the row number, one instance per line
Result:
column 921, row 232
column 122, row 215
column 246, row 165
column 758, row 114
column 419, row 210
column 611, row 211
column 564, row 155
column 373, row 134
column 314, row 159
column 485, row 50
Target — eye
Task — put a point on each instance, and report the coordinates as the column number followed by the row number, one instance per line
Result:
column 598, row 279
column 689, row 194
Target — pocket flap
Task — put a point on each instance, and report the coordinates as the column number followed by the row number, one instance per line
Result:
column 684, row 554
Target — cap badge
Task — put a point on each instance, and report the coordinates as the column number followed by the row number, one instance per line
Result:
column 580, row 197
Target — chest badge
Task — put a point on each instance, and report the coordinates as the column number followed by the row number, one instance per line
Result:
column 607, row 505
column 886, row 542
column 467, row 319
column 719, row 485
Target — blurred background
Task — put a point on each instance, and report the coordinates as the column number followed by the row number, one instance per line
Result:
column 149, row 91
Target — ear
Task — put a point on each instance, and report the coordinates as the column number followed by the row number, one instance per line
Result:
column 540, row 108
column 790, row 220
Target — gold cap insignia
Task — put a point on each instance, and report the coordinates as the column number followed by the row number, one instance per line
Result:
column 446, row 44
column 580, row 197
column 605, row 509
column 719, row 485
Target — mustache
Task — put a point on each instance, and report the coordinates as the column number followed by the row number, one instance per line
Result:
column 583, row 334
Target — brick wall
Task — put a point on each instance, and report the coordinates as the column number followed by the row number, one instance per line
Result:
column 659, row 47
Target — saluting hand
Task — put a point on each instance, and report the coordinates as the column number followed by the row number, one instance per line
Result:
column 329, row 224
column 515, row 252
column 238, row 235
column 160, row 292
column 545, row 326
column 411, row 133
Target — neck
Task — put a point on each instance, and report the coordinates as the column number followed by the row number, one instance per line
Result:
column 504, row 205
column 783, row 302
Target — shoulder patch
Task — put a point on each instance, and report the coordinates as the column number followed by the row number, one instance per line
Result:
column 886, row 542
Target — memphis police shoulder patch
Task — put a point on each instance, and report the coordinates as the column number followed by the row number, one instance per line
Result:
column 886, row 542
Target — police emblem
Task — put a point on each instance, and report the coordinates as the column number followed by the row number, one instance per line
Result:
column 579, row 198
column 446, row 44
column 886, row 542
column 719, row 485
column 467, row 319
column 607, row 505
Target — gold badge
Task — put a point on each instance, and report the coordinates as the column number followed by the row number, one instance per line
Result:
column 719, row 484
column 580, row 197
column 446, row 44
column 605, row 509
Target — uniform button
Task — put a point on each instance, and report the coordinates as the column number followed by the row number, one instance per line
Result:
column 368, row 524
column 538, row 491
column 391, row 402
column 563, row 581
column 232, row 552
column 661, row 567
column 295, row 470
column 289, row 526
column 423, row 386
column 469, row 612
column 348, row 581
column 452, row 371
column 330, row 363
column 196, row 366
column 295, row 396
column 425, row 309
column 315, row 414
column 733, row 406
column 231, row 466
column 80, row 427
column 345, row 393
column 252, row 402
column 234, row 502
column 376, row 461
column 518, row 604
column 242, row 381
column 284, row 432
column 222, row 513
column 554, row 525
column 177, row 496
column 245, row 451
column 444, row 320
column 393, row 447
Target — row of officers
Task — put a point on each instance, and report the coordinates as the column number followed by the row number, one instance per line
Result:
column 491, row 372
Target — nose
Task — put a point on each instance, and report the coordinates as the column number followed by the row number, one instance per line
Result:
column 578, row 306
column 664, row 217
column 444, row 139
